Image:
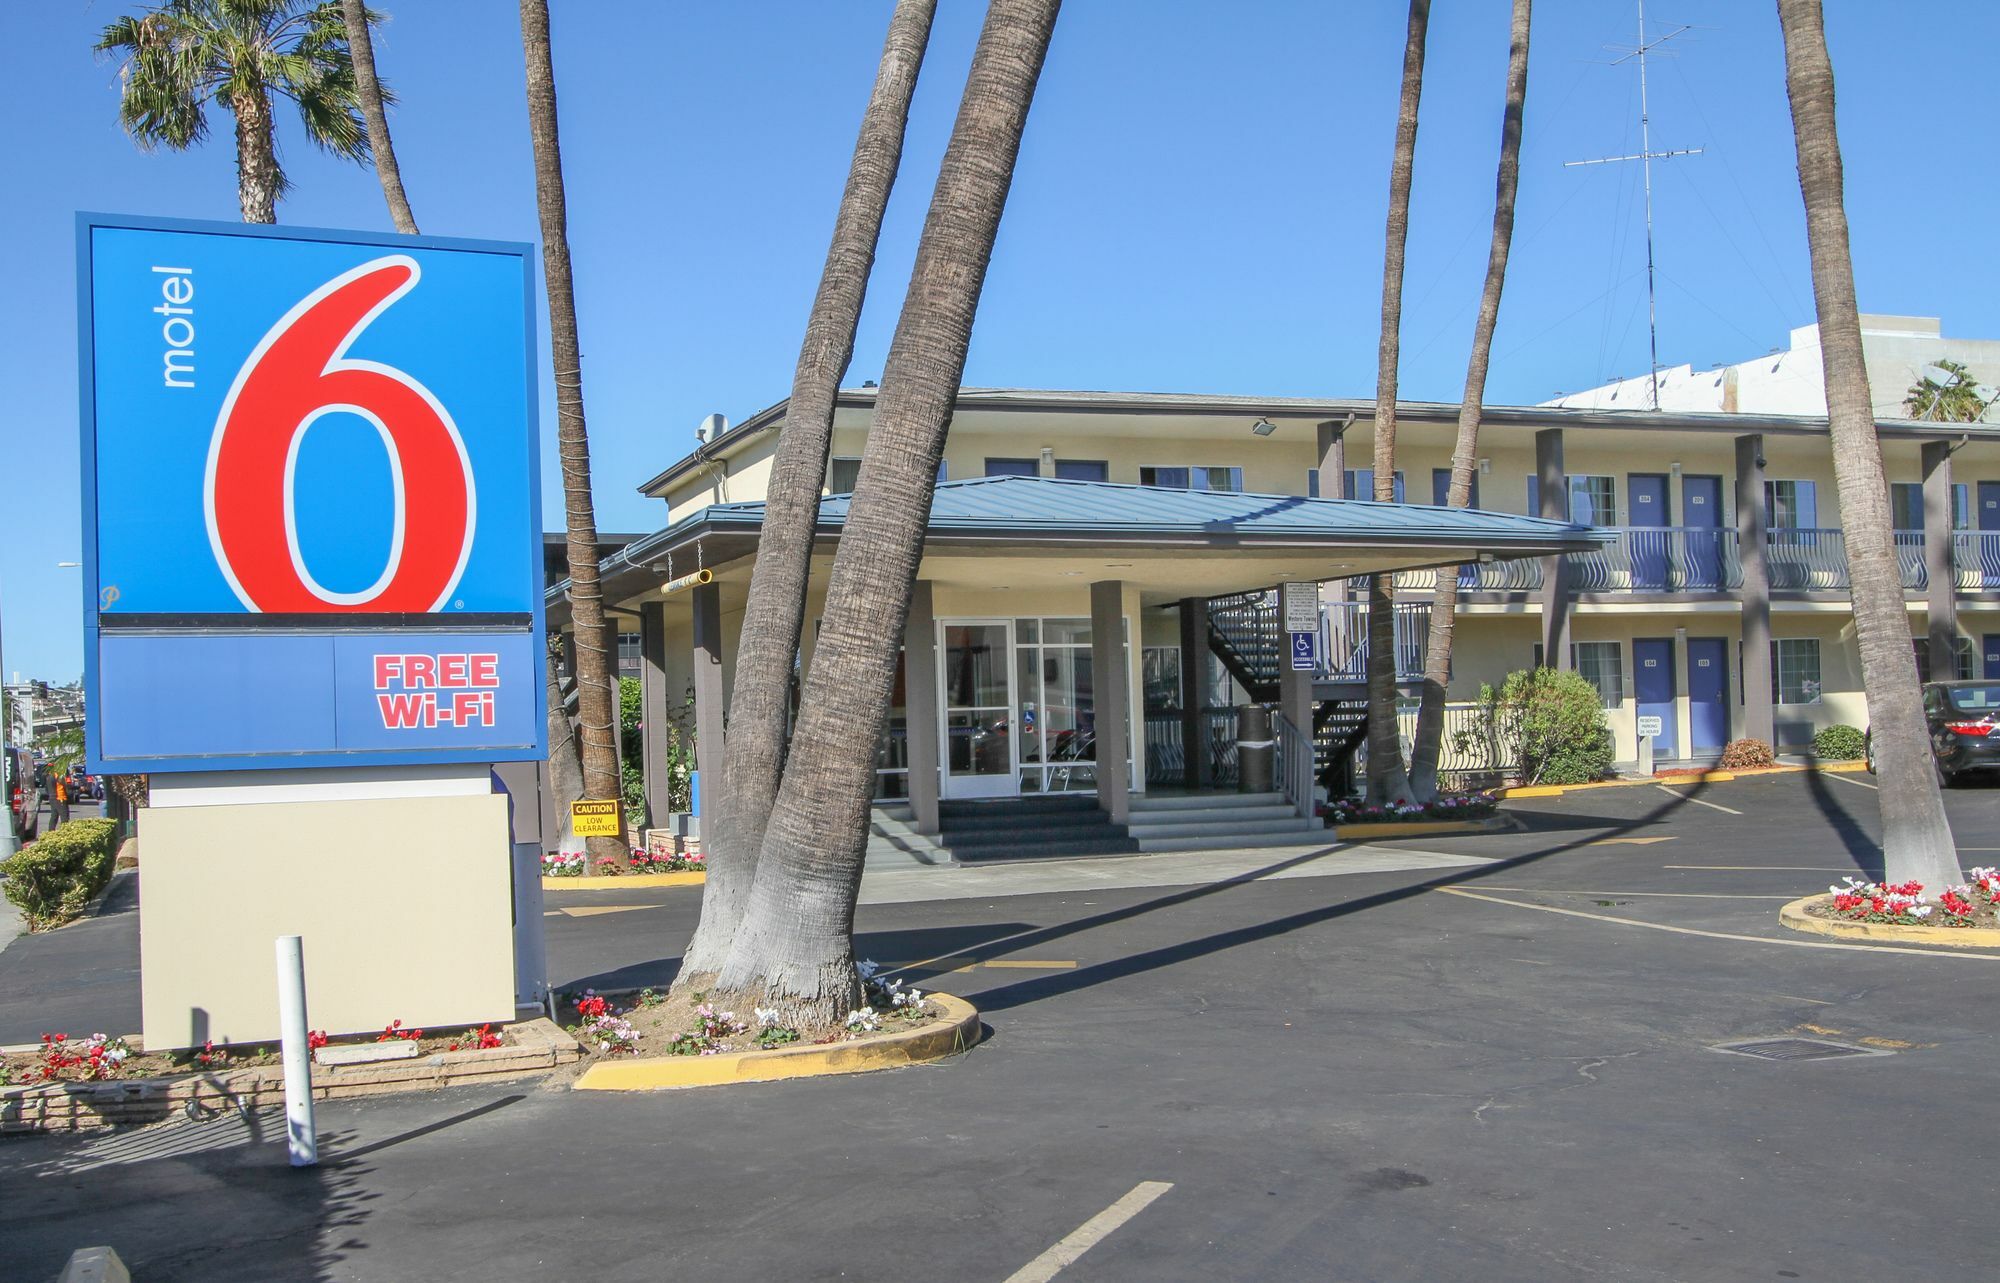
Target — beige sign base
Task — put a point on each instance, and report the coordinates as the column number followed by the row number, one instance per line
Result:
column 404, row 905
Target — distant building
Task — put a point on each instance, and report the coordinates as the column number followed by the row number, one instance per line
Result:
column 1793, row 382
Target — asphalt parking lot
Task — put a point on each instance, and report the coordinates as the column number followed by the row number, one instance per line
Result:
column 1498, row 1066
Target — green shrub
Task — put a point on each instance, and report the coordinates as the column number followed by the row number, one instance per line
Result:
column 53, row 877
column 1552, row 722
column 1840, row 744
column 1747, row 755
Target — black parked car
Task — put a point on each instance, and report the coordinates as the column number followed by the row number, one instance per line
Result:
column 1964, row 720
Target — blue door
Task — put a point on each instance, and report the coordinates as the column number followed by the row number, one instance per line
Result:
column 1701, row 518
column 1991, row 653
column 1653, row 682
column 1989, row 534
column 1648, row 494
column 1708, row 694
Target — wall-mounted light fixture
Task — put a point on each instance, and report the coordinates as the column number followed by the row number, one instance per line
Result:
column 1486, row 467
column 1263, row 427
column 1674, row 468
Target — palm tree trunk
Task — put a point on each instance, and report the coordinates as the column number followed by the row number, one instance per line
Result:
column 795, row 947
column 565, row 766
column 1387, row 781
column 597, row 699
column 361, row 48
column 1429, row 743
column 775, row 613
column 1917, row 843
column 257, row 176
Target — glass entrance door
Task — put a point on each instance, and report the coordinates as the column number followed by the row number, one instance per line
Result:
column 975, row 673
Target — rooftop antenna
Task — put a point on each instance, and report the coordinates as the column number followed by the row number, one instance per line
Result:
column 1646, row 156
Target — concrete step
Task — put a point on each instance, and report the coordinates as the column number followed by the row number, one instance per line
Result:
column 1225, row 830
column 1198, row 801
column 1217, row 814
column 897, row 811
column 967, row 842
column 1046, row 850
column 1297, row 839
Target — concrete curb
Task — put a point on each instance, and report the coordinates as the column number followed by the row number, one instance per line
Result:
column 593, row 882
column 1395, row 828
column 1704, row 777
column 538, row 1046
column 1794, row 915
column 956, row 1031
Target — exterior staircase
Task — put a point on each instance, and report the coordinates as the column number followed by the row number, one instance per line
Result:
column 1220, row 821
column 1056, row 828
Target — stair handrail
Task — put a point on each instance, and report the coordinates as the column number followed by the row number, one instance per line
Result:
column 1295, row 765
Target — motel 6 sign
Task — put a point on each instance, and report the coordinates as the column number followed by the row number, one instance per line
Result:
column 311, row 516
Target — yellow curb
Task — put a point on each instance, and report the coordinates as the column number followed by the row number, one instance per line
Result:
column 1705, row 777
column 593, row 882
column 956, row 1031
column 1355, row 832
column 1794, row 915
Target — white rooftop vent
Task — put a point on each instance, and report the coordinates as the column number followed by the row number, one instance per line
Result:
column 711, row 427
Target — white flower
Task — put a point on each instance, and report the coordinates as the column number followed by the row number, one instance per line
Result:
column 868, row 967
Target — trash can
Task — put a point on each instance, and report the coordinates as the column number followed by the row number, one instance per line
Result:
column 1255, row 749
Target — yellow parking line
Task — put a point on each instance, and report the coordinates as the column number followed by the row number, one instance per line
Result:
column 595, row 909
column 1653, row 895
column 1028, row 965
column 1628, row 841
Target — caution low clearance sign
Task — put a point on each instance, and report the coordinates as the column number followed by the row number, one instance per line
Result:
column 593, row 819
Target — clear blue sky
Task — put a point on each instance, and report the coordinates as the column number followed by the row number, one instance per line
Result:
column 1198, row 206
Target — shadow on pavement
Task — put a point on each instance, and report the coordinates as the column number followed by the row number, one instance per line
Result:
column 896, row 948
column 1865, row 851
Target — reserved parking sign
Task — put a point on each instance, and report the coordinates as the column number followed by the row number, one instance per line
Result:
column 311, row 512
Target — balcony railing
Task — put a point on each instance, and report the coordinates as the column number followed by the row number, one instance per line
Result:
column 1660, row 559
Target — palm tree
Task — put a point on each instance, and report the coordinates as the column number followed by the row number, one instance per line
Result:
column 1387, row 781
column 185, row 54
column 1955, row 400
column 597, row 697
column 753, row 756
column 1916, row 840
column 374, row 98
column 795, row 947
column 1464, row 455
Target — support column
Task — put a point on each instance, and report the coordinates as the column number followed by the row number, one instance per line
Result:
column 1333, row 458
column 612, row 628
column 1756, row 594
column 710, row 702
column 1195, row 694
column 1553, row 484
column 654, row 710
column 1110, row 694
column 1941, row 591
column 920, row 705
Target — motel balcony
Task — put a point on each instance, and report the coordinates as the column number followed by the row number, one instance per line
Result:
column 1690, row 559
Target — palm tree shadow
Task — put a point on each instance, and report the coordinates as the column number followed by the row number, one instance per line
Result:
column 1866, row 851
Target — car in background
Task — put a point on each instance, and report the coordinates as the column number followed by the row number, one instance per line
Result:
column 1964, row 721
column 22, row 787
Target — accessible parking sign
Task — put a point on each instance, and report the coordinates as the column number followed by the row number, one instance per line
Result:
column 311, row 512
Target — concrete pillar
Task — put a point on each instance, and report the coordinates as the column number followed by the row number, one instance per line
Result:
column 612, row 627
column 1110, row 694
column 1942, row 577
column 710, row 701
column 1756, row 594
column 1333, row 458
column 655, row 709
column 1195, row 694
column 1553, row 484
column 920, row 705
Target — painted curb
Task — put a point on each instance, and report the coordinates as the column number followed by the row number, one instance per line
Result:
column 593, row 882
column 1705, row 777
column 958, row 1030
column 1794, row 915
column 1390, row 829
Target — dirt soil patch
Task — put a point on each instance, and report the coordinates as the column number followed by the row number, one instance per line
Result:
column 647, row 1022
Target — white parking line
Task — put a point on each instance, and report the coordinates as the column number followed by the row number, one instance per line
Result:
column 1847, row 779
column 1713, row 806
column 1089, row 1234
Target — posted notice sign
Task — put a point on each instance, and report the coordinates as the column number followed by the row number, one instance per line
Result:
column 1300, row 607
column 311, row 519
column 594, row 819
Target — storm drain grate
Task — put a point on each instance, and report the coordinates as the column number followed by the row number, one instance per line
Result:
column 1796, row 1049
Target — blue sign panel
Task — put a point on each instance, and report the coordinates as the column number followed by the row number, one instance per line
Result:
column 1305, row 652
column 312, row 526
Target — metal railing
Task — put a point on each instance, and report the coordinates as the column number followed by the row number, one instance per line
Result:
column 1296, row 764
column 1660, row 559
column 1975, row 558
column 1343, row 639
column 1470, row 752
column 1520, row 575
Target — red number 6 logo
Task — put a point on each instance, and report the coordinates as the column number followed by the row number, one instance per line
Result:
column 297, row 373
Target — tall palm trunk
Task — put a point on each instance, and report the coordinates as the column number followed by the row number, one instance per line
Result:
column 361, row 48
column 1916, row 839
column 257, row 180
column 795, row 946
column 1464, row 454
column 775, row 613
column 1387, row 781
column 565, row 764
column 597, row 700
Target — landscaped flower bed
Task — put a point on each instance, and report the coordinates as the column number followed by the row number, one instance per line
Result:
column 1451, row 806
column 65, row 1058
column 666, row 862
column 1973, row 904
column 558, row 864
column 653, row 1024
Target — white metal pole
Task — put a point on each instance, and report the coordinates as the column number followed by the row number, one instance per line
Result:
column 300, row 1135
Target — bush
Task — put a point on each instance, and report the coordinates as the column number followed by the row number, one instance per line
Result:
column 53, row 877
column 1840, row 744
column 1747, row 755
column 1552, row 722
